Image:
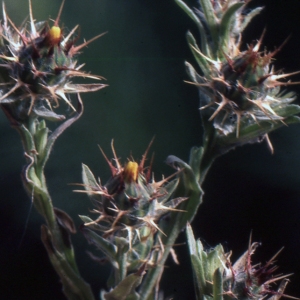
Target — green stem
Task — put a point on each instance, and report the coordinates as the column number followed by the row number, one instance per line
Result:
column 153, row 274
column 55, row 235
column 61, row 255
column 206, row 162
column 188, row 187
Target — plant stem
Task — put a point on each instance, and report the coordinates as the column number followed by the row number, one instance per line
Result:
column 188, row 187
column 56, row 234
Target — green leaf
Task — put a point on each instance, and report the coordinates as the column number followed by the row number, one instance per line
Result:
column 203, row 257
column 249, row 134
column 143, row 247
column 41, row 125
column 287, row 110
column 121, row 258
column 212, row 23
column 125, row 289
column 169, row 189
column 173, row 203
column 40, row 138
column 85, row 219
column 197, row 264
column 90, row 183
column 47, row 114
column 199, row 277
column 217, row 285
column 94, row 226
column 190, row 71
column 108, row 248
column 226, row 24
column 214, row 261
column 249, row 17
column 74, row 287
column 191, row 239
column 190, row 13
column 28, row 140
column 88, row 178
column 202, row 62
column 189, row 188
column 58, row 131
column 195, row 160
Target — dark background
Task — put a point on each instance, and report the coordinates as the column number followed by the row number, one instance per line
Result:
column 142, row 57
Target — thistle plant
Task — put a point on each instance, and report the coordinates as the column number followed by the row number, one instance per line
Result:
column 241, row 99
column 37, row 64
column 216, row 278
column 136, row 217
column 240, row 102
column 129, row 206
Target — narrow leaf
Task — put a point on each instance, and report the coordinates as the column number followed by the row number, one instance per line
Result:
column 217, row 285
column 191, row 239
column 195, row 160
column 92, row 224
column 48, row 114
column 202, row 62
column 74, row 287
column 212, row 22
column 40, row 139
column 65, row 220
column 108, row 248
column 188, row 11
column 227, row 21
column 249, row 17
column 192, row 15
column 199, row 276
column 192, row 189
column 84, row 88
column 125, row 288
column 88, row 178
column 52, row 138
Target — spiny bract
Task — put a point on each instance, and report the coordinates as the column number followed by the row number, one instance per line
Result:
column 129, row 205
column 37, row 64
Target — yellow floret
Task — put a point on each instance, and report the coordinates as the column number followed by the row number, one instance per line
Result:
column 54, row 35
column 131, row 171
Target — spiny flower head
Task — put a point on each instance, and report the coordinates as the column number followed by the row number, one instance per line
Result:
column 247, row 281
column 130, row 204
column 38, row 63
column 242, row 280
column 240, row 94
column 131, row 197
column 245, row 89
